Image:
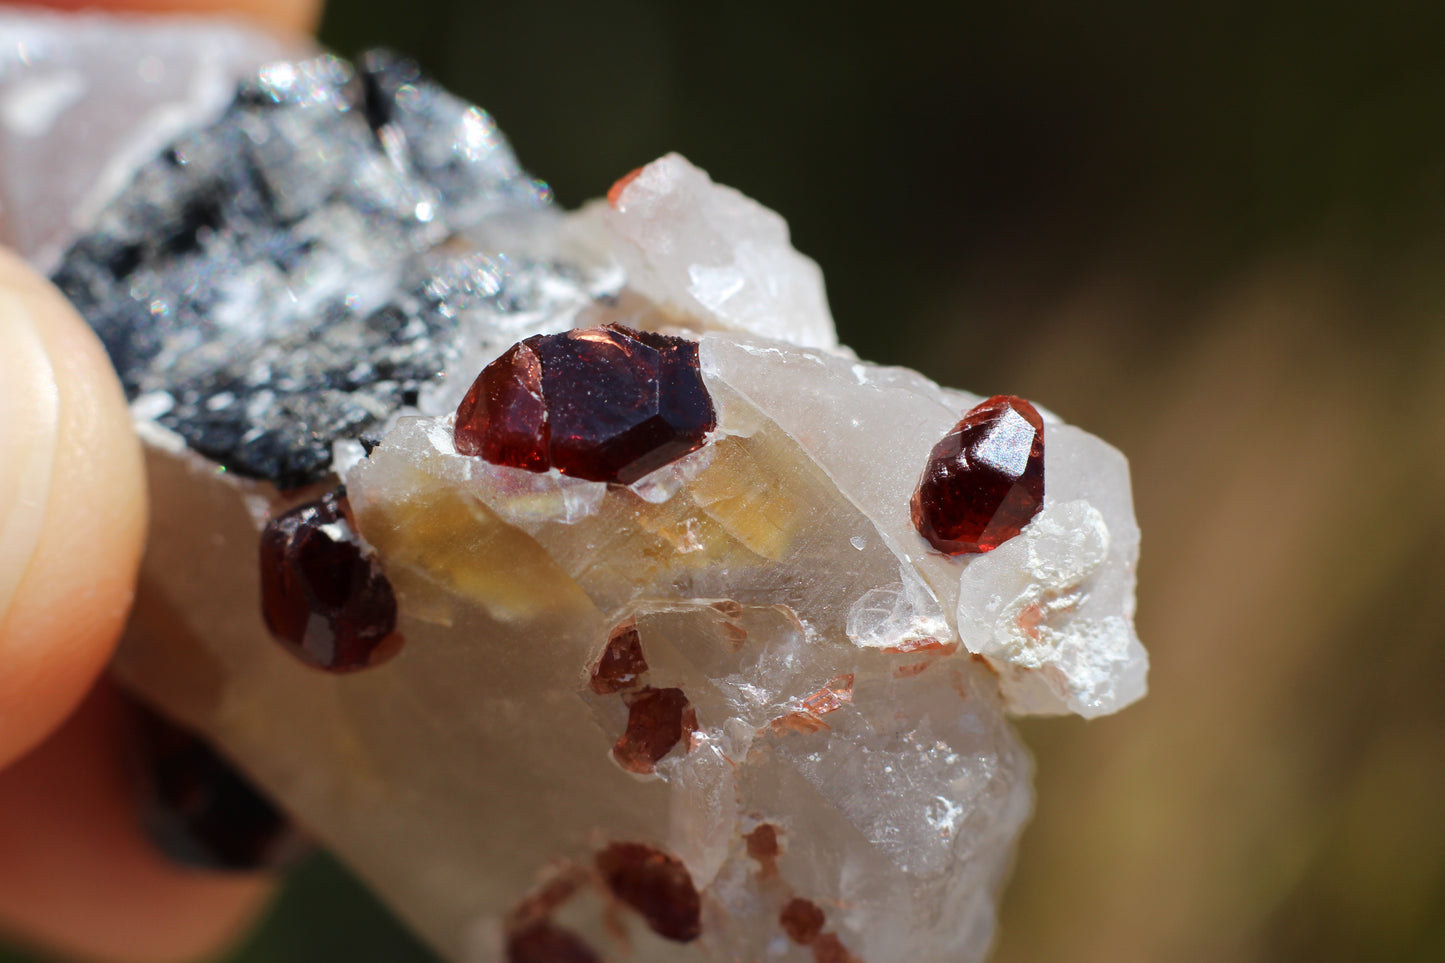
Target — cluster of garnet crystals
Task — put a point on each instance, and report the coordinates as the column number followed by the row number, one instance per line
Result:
column 985, row 480
column 607, row 404
column 611, row 404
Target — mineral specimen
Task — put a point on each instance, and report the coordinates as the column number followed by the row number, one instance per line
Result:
column 682, row 680
column 605, row 404
column 280, row 281
column 322, row 595
column 985, row 480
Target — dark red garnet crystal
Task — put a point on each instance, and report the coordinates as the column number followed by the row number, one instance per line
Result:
column 657, row 720
column 655, row 884
column 542, row 942
column 322, row 596
column 607, row 404
column 621, row 662
column 985, row 480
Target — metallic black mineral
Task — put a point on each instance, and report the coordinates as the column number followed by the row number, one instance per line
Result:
column 292, row 275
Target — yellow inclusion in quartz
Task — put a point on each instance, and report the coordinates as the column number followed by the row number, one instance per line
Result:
column 755, row 494
column 455, row 542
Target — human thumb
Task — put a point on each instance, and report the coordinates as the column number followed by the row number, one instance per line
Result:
column 72, row 508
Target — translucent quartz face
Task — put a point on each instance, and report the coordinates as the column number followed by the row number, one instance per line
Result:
column 726, row 702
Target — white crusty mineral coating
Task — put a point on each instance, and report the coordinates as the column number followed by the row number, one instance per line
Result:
column 851, row 686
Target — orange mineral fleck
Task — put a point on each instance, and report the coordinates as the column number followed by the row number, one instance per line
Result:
column 614, row 193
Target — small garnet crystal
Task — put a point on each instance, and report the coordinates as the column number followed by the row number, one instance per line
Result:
column 985, row 480
column 605, row 404
column 802, row 920
column 322, row 596
column 657, row 720
column 655, row 884
column 621, row 662
column 542, row 942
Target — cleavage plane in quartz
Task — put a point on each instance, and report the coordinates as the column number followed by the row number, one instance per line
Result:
column 606, row 404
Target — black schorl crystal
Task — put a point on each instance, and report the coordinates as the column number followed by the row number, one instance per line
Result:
column 297, row 272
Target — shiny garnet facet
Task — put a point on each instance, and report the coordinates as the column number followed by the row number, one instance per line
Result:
column 985, row 480
column 605, row 404
column 322, row 596
column 503, row 417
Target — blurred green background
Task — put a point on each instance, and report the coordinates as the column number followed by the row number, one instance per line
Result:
column 1213, row 234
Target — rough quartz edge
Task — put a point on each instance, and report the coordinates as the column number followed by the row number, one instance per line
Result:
column 709, row 252
column 895, row 733
column 1053, row 609
column 1087, row 659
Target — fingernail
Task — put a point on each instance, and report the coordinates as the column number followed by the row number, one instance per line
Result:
column 29, row 430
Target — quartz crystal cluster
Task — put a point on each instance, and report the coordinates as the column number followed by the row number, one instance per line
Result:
column 559, row 570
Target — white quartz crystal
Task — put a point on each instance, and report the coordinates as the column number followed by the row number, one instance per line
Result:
column 848, row 687
column 711, row 255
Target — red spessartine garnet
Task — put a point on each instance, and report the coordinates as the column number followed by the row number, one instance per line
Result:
column 621, row 662
column 655, row 884
column 657, row 720
column 606, row 404
column 985, row 480
column 543, row 942
column 322, row 596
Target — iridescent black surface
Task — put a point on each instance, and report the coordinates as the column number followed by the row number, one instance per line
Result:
column 291, row 275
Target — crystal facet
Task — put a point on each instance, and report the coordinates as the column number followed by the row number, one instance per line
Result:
column 322, row 596
column 985, row 480
column 707, row 253
column 605, row 404
column 622, row 661
column 657, row 720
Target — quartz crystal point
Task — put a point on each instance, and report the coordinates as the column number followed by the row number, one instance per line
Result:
column 734, row 709
column 711, row 256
